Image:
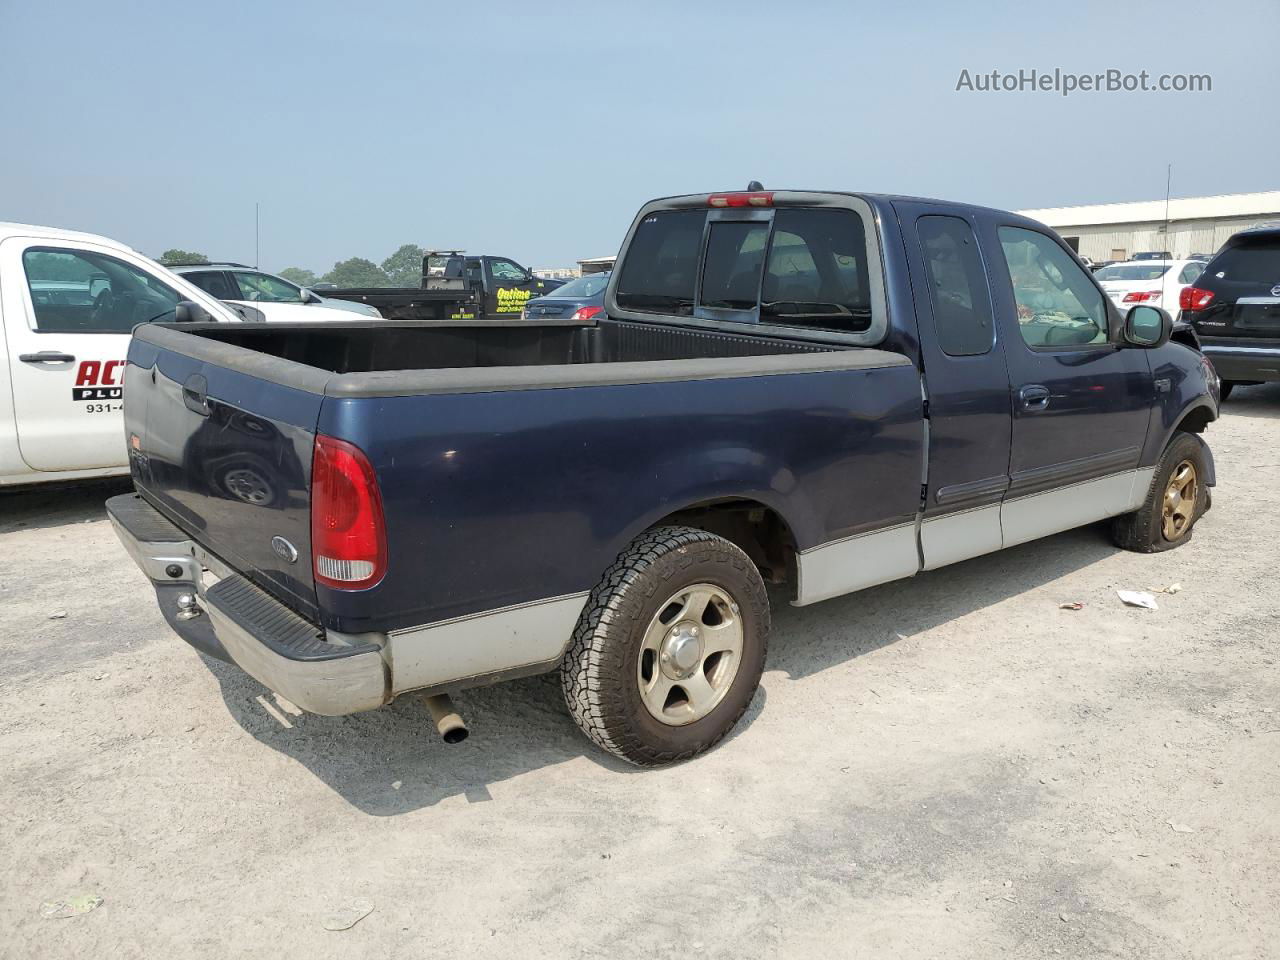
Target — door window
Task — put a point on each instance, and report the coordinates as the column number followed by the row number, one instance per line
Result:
column 1190, row 272
column 214, row 283
column 505, row 270
column 80, row 291
column 957, row 286
column 264, row 288
column 1058, row 306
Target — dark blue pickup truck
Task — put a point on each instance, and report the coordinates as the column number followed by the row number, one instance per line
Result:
column 824, row 391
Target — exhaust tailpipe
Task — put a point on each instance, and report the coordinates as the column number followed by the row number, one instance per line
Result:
column 448, row 722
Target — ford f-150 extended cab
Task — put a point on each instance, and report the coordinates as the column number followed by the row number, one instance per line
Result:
column 823, row 390
column 68, row 301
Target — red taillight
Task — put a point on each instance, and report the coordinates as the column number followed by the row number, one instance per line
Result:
column 1194, row 298
column 586, row 313
column 348, row 534
column 1145, row 296
column 754, row 199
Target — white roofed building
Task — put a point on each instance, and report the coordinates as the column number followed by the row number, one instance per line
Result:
column 1116, row 231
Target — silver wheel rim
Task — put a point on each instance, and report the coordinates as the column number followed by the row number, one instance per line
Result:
column 690, row 655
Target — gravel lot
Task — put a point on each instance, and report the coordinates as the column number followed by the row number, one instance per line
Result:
column 947, row 767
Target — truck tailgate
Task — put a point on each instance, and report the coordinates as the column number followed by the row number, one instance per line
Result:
column 227, row 457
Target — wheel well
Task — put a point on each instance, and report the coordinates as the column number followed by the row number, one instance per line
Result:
column 758, row 530
column 1196, row 420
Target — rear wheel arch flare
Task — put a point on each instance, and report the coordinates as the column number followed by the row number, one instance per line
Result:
column 761, row 531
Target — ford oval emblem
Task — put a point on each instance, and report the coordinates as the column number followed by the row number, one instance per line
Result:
column 284, row 549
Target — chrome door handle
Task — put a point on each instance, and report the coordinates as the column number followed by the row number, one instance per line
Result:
column 46, row 356
column 1034, row 397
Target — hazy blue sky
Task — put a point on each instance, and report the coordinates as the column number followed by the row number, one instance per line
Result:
column 536, row 129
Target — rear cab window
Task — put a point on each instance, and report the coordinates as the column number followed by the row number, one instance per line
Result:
column 789, row 269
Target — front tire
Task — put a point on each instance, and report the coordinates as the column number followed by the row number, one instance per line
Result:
column 670, row 647
column 1177, row 498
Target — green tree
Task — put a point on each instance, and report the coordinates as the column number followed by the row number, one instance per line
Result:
column 303, row 278
column 404, row 267
column 356, row 272
column 182, row 256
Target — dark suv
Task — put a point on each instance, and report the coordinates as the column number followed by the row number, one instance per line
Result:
column 1234, row 308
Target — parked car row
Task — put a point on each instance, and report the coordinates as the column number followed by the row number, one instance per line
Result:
column 257, row 295
column 1156, row 282
column 1234, row 308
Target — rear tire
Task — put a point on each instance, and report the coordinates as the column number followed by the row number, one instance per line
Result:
column 1176, row 500
column 1224, row 389
column 621, row 666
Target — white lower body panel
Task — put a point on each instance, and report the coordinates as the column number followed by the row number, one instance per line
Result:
column 843, row 566
column 855, row 563
column 483, row 643
column 1042, row 514
column 959, row 536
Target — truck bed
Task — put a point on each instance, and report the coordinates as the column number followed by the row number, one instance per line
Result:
column 363, row 347
column 476, row 481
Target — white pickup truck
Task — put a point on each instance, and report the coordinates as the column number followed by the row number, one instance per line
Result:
column 68, row 302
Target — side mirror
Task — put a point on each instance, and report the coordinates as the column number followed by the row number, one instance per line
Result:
column 1146, row 326
column 188, row 311
column 310, row 296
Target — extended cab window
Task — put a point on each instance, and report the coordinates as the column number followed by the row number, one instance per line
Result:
column 79, row 291
column 957, row 286
column 816, row 272
column 660, row 269
column 1058, row 306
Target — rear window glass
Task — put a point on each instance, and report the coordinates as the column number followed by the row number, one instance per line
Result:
column 816, row 273
column 444, row 266
column 588, row 286
column 660, row 271
column 1256, row 261
column 1133, row 271
column 731, row 273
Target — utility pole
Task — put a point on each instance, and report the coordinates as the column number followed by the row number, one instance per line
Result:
column 1168, row 181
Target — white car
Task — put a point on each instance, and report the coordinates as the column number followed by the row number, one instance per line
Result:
column 257, row 295
column 1157, row 283
column 68, row 302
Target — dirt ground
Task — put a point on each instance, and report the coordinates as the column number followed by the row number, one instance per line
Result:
column 946, row 767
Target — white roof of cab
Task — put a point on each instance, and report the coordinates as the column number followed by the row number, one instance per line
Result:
column 8, row 230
